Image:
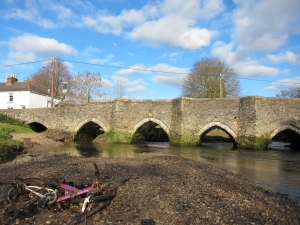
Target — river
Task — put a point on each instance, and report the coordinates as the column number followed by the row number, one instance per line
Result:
column 275, row 169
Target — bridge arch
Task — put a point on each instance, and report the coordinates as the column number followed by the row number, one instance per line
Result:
column 225, row 128
column 89, row 129
column 284, row 127
column 35, row 120
column 38, row 124
column 159, row 122
column 147, row 130
column 105, row 128
column 291, row 132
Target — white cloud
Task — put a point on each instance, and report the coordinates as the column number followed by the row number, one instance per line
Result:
column 241, row 61
column 33, row 13
column 161, row 73
column 102, row 61
column 271, row 88
column 288, row 82
column 105, row 23
column 192, row 9
column 176, row 24
column 287, row 56
column 162, row 23
column 130, row 53
column 265, row 24
column 135, row 86
column 256, row 70
column 173, row 31
column 133, row 70
column 106, row 82
column 172, row 76
column 90, row 50
column 167, row 23
column 27, row 47
column 172, row 56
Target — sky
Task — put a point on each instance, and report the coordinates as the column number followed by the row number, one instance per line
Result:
column 150, row 46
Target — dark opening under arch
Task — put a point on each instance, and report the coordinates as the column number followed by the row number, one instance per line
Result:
column 150, row 132
column 218, row 136
column 37, row 127
column 290, row 138
column 88, row 132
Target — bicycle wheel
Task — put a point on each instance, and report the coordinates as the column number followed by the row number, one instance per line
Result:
column 19, row 193
column 93, row 199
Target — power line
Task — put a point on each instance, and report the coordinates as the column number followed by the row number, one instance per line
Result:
column 158, row 71
column 18, row 64
column 125, row 68
column 137, row 69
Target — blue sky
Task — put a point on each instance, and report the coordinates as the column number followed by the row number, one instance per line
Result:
column 160, row 40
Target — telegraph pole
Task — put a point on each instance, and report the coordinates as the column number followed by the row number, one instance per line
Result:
column 220, row 85
column 52, row 82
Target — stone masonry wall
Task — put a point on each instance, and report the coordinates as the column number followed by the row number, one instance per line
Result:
column 251, row 121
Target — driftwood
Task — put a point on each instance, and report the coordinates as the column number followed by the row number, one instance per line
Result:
column 15, row 211
column 82, row 217
column 158, row 146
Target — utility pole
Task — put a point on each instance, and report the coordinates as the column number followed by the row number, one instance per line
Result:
column 220, row 85
column 52, row 83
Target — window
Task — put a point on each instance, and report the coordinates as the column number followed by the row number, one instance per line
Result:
column 11, row 97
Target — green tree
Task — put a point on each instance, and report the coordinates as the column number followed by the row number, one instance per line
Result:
column 211, row 78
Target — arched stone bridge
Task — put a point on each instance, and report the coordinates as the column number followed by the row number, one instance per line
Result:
column 250, row 122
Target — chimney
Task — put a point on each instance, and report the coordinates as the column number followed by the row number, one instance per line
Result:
column 12, row 79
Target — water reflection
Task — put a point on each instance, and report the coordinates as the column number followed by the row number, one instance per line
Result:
column 276, row 170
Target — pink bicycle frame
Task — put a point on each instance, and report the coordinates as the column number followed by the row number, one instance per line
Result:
column 72, row 191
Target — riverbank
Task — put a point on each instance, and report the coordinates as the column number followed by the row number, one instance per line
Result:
column 164, row 188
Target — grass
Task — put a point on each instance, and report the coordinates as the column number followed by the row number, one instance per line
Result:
column 10, row 148
column 15, row 129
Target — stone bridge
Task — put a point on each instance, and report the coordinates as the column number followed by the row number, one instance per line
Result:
column 250, row 122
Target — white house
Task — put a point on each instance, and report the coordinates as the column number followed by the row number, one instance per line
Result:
column 21, row 95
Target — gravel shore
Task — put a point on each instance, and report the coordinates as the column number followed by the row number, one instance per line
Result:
column 162, row 189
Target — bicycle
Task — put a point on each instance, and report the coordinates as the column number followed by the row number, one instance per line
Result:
column 34, row 190
column 29, row 190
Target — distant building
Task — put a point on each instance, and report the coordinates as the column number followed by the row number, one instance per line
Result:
column 21, row 95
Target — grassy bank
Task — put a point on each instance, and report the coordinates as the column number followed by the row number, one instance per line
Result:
column 10, row 148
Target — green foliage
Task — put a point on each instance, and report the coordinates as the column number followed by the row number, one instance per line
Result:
column 137, row 138
column 254, row 142
column 8, row 148
column 9, row 120
column 116, row 137
column 16, row 129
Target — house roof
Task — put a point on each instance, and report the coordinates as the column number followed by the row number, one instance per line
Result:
column 21, row 86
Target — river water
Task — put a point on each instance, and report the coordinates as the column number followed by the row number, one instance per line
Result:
column 275, row 169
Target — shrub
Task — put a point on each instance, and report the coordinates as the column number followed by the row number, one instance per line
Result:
column 8, row 148
column 9, row 120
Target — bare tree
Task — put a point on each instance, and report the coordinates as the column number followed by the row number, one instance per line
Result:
column 289, row 93
column 211, row 78
column 115, row 91
column 43, row 77
column 85, row 87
